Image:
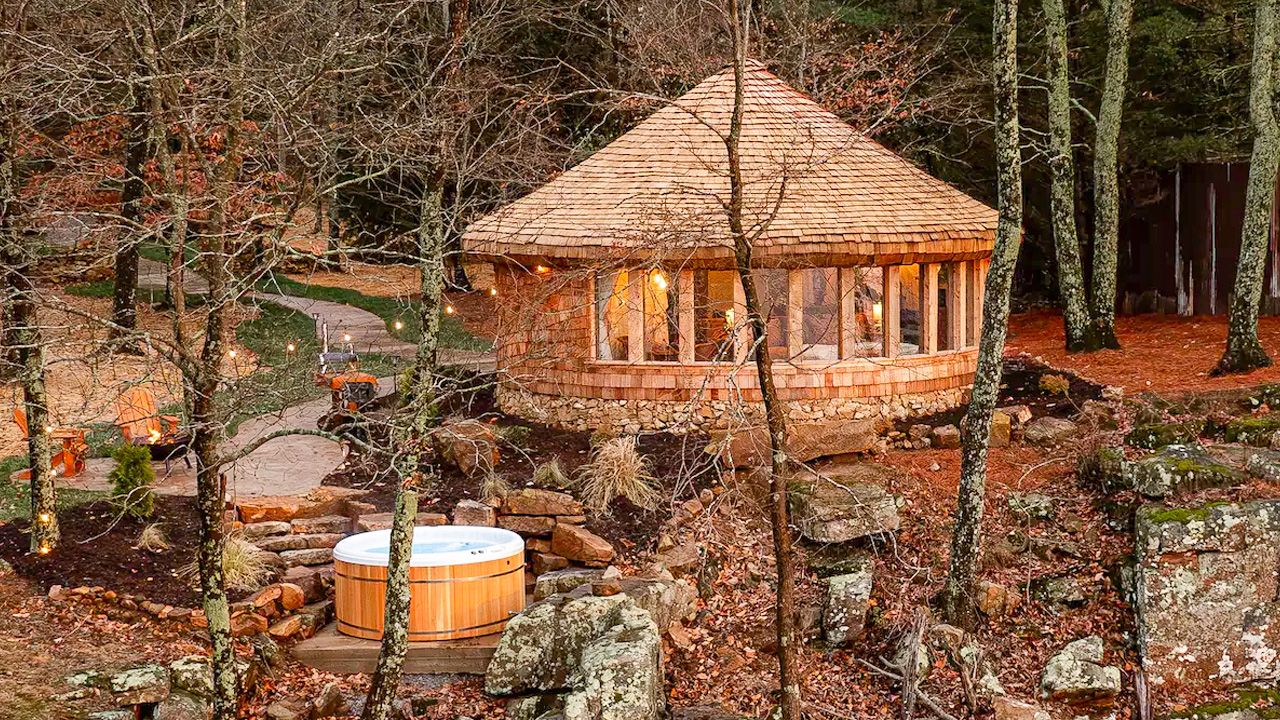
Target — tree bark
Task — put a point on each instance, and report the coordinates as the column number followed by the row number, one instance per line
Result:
column 1244, row 352
column 1106, row 191
column 780, row 466
column 414, row 437
column 124, row 313
column 1075, row 307
column 958, row 595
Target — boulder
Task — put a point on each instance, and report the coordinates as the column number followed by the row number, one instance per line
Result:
column 535, row 525
column 192, row 675
column 1207, row 581
column 1007, row 708
column 308, row 580
column 330, row 703
column 563, row 581
column 680, row 560
column 1179, row 467
column 542, row 646
column 1063, row 591
column 258, row 530
column 666, row 601
column 946, row 437
column 1104, row 469
column 138, row 685
column 469, row 445
column 1019, row 415
column 749, row 447
column 845, row 501
column 844, row 612
column 473, row 512
column 536, row 501
column 1076, row 674
column 179, row 706
column 1050, row 431
column 248, row 623
column 828, row 560
column 1264, row 465
column 382, row 521
column 291, row 626
column 320, row 501
column 620, row 674
column 1001, row 430
column 580, row 544
column 288, row 709
column 280, row 543
column 1250, row 430
column 323, row 524
column 310, row 556
column 995, row 599
column 1031, row 506
column 542, row 563
column 1153, row 436
column 535, row 707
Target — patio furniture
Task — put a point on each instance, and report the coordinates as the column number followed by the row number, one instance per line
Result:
column 141, row 423
column 72, row 441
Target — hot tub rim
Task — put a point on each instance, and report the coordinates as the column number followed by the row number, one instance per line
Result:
column 505, row 543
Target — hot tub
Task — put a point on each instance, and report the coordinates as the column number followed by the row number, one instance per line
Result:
column 465, row 581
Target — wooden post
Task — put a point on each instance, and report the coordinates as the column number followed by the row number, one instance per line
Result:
column 891, row 312
column 795, row 314
column 635, row 314
column 929, row 308
column 957, row 315
column 848, row 312
column 686, row 339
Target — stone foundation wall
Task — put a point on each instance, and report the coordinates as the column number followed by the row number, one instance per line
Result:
column 631, row 416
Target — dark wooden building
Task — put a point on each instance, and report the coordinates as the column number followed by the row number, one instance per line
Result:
column 1178, row 252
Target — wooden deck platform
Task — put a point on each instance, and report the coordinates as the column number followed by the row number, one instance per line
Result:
column 332, row 651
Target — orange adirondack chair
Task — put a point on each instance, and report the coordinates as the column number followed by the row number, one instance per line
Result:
column 141, row 422
column 74, row 446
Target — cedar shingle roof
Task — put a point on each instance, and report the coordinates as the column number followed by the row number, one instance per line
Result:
column 658, row 188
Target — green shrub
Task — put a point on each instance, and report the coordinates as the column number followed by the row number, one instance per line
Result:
column 131, row 480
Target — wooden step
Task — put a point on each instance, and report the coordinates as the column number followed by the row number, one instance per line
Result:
column 331, row 651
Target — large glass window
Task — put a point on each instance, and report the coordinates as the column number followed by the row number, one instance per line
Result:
column 863, row 308
column 612, row 318
column 973, row 291
column 661, row 316
column 713, row 314
column 772, row 289
column 946, row 272
column 820, row 291
column 910, row 296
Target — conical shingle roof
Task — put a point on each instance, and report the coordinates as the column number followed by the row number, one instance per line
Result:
column 814, row 186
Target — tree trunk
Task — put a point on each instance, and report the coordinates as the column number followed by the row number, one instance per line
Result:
column 958, row 595
column 124, row 313
column 1244, row 352
column 780, row 466
column 1106, row 191
column 414, row 439
column 1075, row 306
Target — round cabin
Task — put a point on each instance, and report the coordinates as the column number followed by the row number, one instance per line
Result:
column 620, row 306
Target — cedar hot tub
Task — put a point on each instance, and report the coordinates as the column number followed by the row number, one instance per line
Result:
column 464, row 581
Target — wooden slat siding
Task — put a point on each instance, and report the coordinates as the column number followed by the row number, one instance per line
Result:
column 891, row 312
column 460, row 608
column 929, row 308
column 687, row 340
column 795, row 313
column 667, row 173
column 848, row 312
column 957, row 294
column 975, row 313
column 635, row 314
column 742, row 328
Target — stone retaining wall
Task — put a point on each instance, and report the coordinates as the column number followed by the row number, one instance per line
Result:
column 631, row 416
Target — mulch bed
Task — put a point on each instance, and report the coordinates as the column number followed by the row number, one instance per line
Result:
column 97, row 549
column 1161, row 353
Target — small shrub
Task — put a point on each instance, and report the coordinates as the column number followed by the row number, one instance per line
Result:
column 131, row 480
column 1055, row 384
column 244, row 566
column 549, row 475
column 617, row 468
column 153, row 539
column 494, row 487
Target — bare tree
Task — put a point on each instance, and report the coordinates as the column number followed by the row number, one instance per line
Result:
column 1244, row 352
column 958, row 595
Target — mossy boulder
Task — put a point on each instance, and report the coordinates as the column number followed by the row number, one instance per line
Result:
column 1157, row 435
column 1255, row 431
column 1176, row 468
column 1103, row 469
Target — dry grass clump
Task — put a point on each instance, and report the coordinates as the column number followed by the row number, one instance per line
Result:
column 153, row 539
column 494, row 488
column 549, row 475
column 617, row 468
column 244, row 566
column 1055, row 384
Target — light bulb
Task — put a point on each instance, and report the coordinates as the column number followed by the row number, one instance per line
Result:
column 493, row 291
column 48, row 429
column 659, row 280
column 877, row 312
column 346, row 338
column 45, row 518
column 448, row 310
column 541, row 269
column 44, row 550
column 399, row 325
column 290, row 347
column 232, row 354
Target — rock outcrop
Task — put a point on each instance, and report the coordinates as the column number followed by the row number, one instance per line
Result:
column 845, row 501
column 748, row 447
column 1179, row 467
column 1207, row 585
column 844, row 614
column 1076, row 674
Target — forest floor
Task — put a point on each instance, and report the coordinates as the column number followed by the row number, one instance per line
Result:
column 1160, row 353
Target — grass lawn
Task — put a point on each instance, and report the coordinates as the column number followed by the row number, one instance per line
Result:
column 15, row 498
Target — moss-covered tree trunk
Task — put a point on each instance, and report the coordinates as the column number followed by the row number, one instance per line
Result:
column 958, row 595
column 414, row 442
column 1075, row 305
column 1106, row 191
column 124, row 310
column 1244, row 352
column 775, row 419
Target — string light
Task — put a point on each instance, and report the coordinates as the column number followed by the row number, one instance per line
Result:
column 48, row 429
column 659, row 280
column 232, row 353
column 448, row 310
column 541, row 269
column 45, row 518
column 493, row 291
column 398, row 325
column 290, row 348
column 346, row 338
column 44, row 549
